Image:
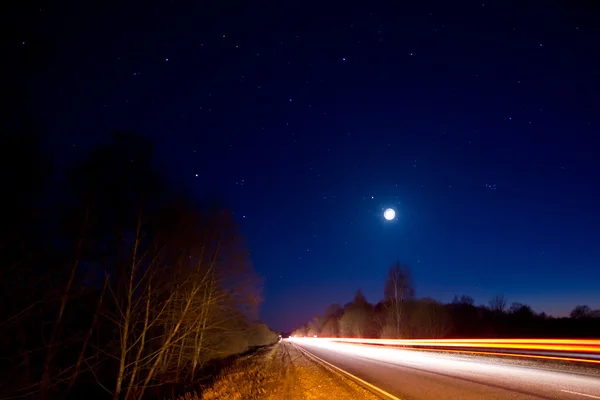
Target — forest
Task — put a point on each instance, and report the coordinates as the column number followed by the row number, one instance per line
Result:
column 401, row 315
column 115, row 284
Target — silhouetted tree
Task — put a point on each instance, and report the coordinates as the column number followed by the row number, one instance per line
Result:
column 584, row 311
column 464, row 299
column 315, row 326
column 497, row 303
column 134, row 288
column 466, row 317
column 398, row 291
column 333, row 311
column 331, row 328
column 461, row 318
column 521, row 310
column 31, row 271
column 331, row 318
column 430, row 319
column 301, row 331
column 357, row 318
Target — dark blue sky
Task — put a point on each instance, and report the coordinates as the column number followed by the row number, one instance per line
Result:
column 476, row 120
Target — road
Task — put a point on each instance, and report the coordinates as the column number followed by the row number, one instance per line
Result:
column 418, row 375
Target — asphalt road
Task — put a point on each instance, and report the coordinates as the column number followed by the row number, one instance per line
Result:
column 417, row 375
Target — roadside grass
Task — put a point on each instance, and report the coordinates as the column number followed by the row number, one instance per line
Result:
column 249, row 377
column 280, row 372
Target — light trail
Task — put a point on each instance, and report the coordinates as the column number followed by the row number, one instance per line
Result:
column 362, row 382
column 572, row 350
column 532, row 356
column 581, row 394
column 431, row 373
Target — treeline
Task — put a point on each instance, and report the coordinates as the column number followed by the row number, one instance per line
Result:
column 113, row 283
column 401, row 315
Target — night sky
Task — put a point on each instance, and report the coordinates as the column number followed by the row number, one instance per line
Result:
column 477, row 121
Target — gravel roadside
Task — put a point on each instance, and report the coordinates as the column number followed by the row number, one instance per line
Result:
column 282, row 373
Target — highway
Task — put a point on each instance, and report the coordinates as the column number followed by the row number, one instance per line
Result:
column 421, row 375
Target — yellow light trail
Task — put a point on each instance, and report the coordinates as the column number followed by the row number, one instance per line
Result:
column 582, row 347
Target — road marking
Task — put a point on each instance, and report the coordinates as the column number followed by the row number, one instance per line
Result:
column 344, row 372
column 581, row 394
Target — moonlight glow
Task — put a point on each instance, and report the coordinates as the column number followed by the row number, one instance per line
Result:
column 389, row 214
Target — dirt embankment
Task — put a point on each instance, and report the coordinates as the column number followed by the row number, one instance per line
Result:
column 281, row 373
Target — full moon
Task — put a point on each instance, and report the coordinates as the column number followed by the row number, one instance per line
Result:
column 389, row 214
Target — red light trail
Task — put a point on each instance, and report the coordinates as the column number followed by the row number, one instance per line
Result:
column 572, row 350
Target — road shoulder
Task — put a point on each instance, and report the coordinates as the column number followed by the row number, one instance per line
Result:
column 283, row 373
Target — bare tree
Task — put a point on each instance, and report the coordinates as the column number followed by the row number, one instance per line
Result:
column 463, row 299
column 331, row 328
column 355, row 322
column 520, row 310
column 357, row 318
column 168, row 286
column 398, row 291
column 584, row 311
column 315, row 326
column 430, row 319
column 498, row 303
column 93, row 326
column 301, row 331
column 66, row 293
column 156, row 314
column 331, row 321
column 184, row 297
column 333, row 311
